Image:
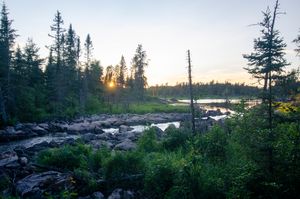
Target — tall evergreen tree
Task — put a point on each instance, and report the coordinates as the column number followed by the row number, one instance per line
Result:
column 122, row 73
column 70, row 61
column 139, row 62
column 297, row 42
column 267, row 63
column 88, row 46
column 7, row 40
column 30, row 97
column 57, row 52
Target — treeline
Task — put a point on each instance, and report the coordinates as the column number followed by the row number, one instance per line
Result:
column 204, row 90
column 68, row 82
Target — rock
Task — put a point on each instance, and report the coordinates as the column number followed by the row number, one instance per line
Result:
column 97, row 195
column 39, row 146
column 8, row 158
column 44, row 126
column 121, row 194
column 98, row 130
column 124, row 128
column 105, row 136
column 213, row 113
column 99, row 144
column 23, row 161
column 35, row 185
column 88, row 137
column 85, row 197
column 126, row 135
column 39, row 130
column 10, row 134
column 126, row 145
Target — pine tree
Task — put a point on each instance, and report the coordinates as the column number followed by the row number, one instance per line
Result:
column 267, row 63
column 30, row 97
column 57, row 52
column 297, row 42
column 122, row 73
column 7, row 40
column 139, row 62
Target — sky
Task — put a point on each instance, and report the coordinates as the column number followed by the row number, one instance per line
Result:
column 217, row 32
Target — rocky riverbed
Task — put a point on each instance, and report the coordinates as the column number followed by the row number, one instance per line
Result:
column 20, row 143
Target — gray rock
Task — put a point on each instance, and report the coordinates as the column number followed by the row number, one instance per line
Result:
column 105, row 136
column 88, row 137
column 99, row 144
column 125, row 135
column 121, row 194
column 98, row 195
column 39, row 130
column 8, row 158
column 35, row 185
column 126, row 145
column 124, row 128
column 23, row 161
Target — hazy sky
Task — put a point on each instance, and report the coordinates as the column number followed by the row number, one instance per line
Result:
column 216, row 31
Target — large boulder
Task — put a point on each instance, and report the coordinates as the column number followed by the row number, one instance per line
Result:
column 126, row 145
column 88, row 137
column 8, row 158
column 126, row 135
column 96, row 195
column 121, row 194
column 124, row 128
column 10, row 134
column 50, row 182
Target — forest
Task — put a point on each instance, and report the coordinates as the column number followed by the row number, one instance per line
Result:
column 72, row 128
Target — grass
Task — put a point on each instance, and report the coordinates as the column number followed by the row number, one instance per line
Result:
column 139, row 108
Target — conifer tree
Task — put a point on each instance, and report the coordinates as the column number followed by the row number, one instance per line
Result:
column 122, row 73
column 267, row 63
column 7, row 40
column 57, row 53
column 297, row 42
column 139, row 63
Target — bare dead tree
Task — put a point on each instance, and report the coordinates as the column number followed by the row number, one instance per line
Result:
column 191, row 92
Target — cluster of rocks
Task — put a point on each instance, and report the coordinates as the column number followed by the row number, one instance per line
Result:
column 93, row 124
column 29, row 182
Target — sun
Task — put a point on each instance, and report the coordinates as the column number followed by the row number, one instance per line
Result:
column 111, row 85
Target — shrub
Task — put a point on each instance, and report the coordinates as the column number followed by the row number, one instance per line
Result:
column 71, row 156
column 175, row 138
column 149, row 142
column 124, row 170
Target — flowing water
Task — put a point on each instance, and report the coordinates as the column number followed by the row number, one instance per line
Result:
column 60, row 138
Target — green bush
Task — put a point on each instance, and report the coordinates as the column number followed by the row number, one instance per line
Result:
column 159, row 177
column 149, row 142
column 174, row 139
column 72, row 157
column 124, row 170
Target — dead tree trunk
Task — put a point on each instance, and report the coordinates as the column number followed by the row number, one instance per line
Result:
column 191, row 93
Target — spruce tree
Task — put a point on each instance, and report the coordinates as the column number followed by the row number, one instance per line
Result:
column 297, row 42
column 139, row 63
column 57, row 52
column 122, row 73
column 7, row 40
column 267, row 63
